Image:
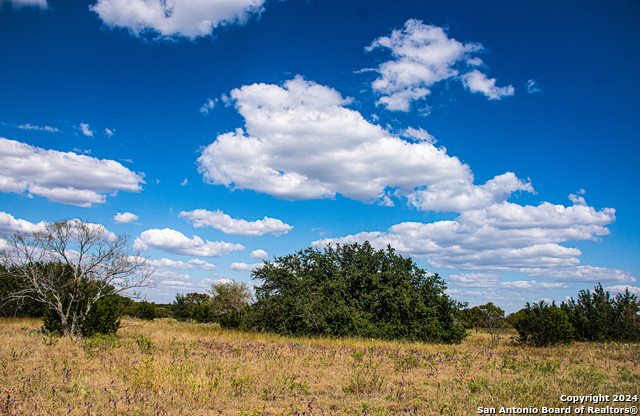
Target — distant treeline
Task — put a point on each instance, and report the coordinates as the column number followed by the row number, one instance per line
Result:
column 595, row 315
column 355, row 290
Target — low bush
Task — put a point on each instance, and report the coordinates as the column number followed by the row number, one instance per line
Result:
column 542, row 324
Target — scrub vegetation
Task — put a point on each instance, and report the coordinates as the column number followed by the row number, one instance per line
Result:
column 167, row 367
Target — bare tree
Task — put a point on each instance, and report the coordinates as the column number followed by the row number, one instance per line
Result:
column 70, row 265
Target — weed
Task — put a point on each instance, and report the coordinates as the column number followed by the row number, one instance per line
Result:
column 365, row 379
column 478, row 384
column 100, row 343
column 145, row 344
column 628, row 376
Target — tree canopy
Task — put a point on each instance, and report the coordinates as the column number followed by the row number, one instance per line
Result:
column 353, row 290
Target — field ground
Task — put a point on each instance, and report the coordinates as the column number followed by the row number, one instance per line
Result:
column 171, row 368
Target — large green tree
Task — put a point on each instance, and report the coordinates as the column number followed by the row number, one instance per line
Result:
column 353, row 290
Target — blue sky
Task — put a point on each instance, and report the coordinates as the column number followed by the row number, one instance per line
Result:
column 496, row 143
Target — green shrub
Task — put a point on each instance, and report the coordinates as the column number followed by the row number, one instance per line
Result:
column 145, row 310
column 597, row 316
column 192, row 306
column 542, row 324
column 104, row 318
column 230, row 320
column 353, row 290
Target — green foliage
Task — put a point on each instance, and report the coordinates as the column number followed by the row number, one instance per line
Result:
column 143, row 310
column 487, row 316
column 99, row 343
column 145, row 344
column 230, row 320
column 492, row 318
column 353, row 290
column 228, row 302
column 597, row 316
column 26, row 307
column 542, row 324
column 192, row 306
column 104, row 318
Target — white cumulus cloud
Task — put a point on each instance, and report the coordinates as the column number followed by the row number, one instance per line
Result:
column 243, row 267
column 125, row 218
column 67, row 178
column 422, row 56
column 10, row 225
column 622, row 288
column 585, row 274
column 175, row 242
column 500, row 237
column 223, row 222
column 259, row 254
column 175, row 18
column 301, row 142
column 477, row 82
column 165, row 263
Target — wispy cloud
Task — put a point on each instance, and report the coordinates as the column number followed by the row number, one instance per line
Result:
column 84, row 127
column 28, row 126
column 477, row 82
column 207, row 106
column 17, row 4
column 533, row 87
column 38, row 128
column 165, row 263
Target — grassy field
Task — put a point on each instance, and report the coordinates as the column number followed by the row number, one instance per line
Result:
column 170, row 368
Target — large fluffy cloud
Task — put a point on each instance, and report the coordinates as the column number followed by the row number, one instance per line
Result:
column 423, row 55
column 172, row 18
column 302, row 142
column 223, row 222
column 503, row 237
column 10, row 225
column 175, row 242
column 67, row 178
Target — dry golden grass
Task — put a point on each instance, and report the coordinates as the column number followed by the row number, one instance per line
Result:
column 170, row 368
